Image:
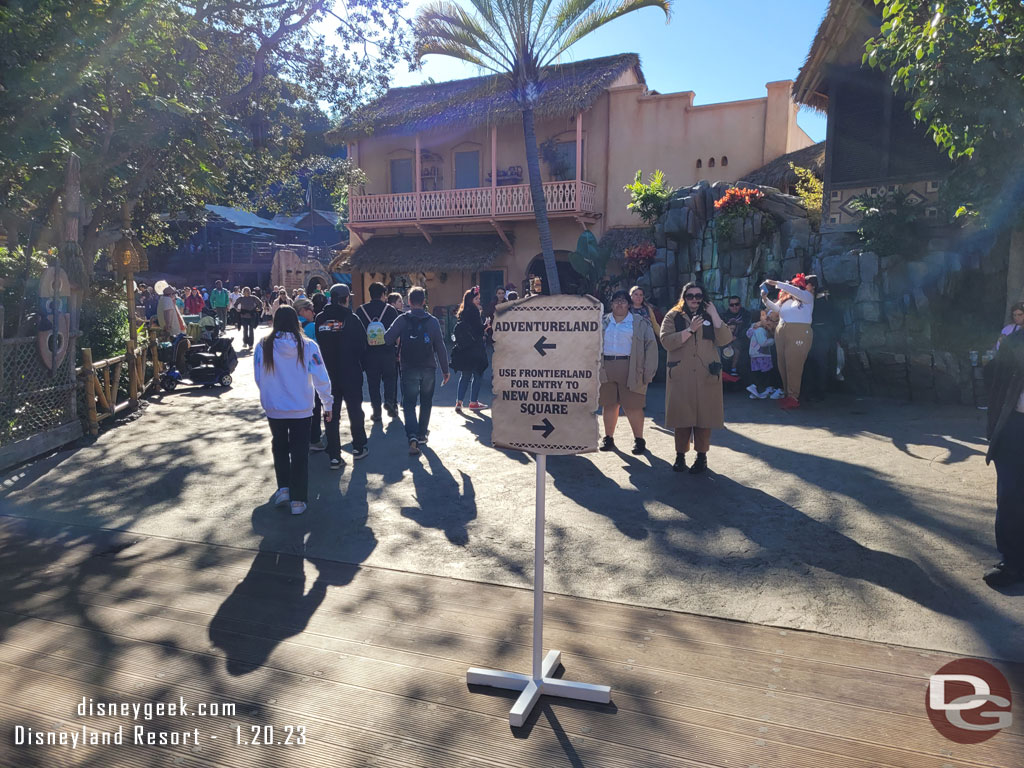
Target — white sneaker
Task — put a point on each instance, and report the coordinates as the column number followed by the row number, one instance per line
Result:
column 777, row 394
column 752, row 389
column 298, row 507
column 281, row 497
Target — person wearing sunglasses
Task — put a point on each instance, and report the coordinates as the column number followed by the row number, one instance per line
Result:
column 692, row 332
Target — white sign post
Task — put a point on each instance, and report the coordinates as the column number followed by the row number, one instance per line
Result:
column 547, row 357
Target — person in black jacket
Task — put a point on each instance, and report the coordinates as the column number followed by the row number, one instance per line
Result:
column 381, row 362
column 827, row 324
column 469, row 355
column 342, row 340
column 1005, row 379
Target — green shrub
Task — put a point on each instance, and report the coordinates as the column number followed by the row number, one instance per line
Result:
column 104, row 321
column 648, row 200
column 810, row 189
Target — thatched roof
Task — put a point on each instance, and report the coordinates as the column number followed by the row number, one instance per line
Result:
column 412, row 253
column 621, row 238
column 778, row 174
column 566, row 89
column 840, row 40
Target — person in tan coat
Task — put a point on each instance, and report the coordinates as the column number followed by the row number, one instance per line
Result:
column 691, row 332
column 629, row 363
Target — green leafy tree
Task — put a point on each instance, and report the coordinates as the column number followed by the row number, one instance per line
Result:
column 171, row 105
column 648, row 200
column 961, row 64
column 811, row 191
column 517, row 39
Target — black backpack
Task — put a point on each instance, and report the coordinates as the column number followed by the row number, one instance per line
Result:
column 417, row 347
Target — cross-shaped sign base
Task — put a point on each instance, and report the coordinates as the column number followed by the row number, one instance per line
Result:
column 533, row 689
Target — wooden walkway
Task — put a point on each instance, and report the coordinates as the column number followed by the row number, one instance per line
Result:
column 372, row 664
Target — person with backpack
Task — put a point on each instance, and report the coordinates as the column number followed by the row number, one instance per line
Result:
column 288, row 367
column 469, row 355
column 342, row 340
column 305, row 310
column 381, row 364
column 420, row 349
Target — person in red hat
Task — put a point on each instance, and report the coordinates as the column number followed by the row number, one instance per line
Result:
column 795, row 307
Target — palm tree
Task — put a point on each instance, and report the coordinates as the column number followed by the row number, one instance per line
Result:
column 517, row 39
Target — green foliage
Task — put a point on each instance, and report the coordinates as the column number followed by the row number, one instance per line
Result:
column 590, row 261
column 811, row 190
column 960, row 64
column 648, row 201
column 104, row 321
column 890, row 225
column 19, row 271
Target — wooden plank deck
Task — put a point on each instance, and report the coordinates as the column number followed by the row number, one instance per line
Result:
column 372, row 664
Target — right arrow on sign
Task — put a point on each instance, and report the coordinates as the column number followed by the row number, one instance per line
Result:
column 540, row 346
column 546, row 427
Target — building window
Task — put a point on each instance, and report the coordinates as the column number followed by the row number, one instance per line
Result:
column 564, row 169
column 401, row 175
column 467, row 169
column 700, row 163
column 725, row 161
column 711, row 163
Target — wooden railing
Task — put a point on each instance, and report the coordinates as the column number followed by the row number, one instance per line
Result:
column 101, row 382
column 475, row 202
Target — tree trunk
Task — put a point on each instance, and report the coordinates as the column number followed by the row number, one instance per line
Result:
column 1015, row 270
column 540, row 208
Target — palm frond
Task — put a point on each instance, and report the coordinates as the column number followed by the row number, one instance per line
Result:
column 570, row 27
column 445, row 28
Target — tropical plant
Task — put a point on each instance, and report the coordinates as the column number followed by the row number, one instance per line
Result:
column 734, row 206
column 648, row 201
column 517, row 39
column 638, row 258
column 960, row 64
column 811, row 190
column 890, row 225
column 589, row 259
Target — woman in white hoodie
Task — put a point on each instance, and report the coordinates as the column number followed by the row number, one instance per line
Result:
column 288, row 365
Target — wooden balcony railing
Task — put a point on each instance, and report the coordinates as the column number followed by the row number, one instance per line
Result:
column 476, row 202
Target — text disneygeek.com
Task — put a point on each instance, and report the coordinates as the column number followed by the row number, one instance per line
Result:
column 75, row 736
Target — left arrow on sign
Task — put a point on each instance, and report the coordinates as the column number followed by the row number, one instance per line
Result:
column 540, row 346
column 546, row 427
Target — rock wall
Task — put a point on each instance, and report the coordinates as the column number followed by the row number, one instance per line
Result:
column 908, row 326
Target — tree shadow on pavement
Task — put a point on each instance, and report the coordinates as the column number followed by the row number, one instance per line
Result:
column 624, row 507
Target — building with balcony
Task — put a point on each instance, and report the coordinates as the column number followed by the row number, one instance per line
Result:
column 447, row 202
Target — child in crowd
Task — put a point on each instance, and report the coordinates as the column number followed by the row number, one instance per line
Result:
column 761, row 341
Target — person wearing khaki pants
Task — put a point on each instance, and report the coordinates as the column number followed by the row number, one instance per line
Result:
column 795, row 307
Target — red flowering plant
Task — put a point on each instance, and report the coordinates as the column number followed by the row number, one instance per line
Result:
column 638, row 258
column 735, row 205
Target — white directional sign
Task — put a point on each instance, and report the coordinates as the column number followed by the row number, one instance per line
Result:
column 547, row 358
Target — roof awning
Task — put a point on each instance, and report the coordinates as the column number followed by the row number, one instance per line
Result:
column 412, row 253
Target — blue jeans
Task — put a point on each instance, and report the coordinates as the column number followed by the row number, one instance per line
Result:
column 417, row 382
column 464, row 378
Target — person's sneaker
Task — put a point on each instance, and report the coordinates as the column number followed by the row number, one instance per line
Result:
column 776, row 394
column 281, row 496
column 360, row 453
column 752, row 389
column 298, row 507
column 1003, row 575
column 336, row 464
column 458, row 406
column 639, row 446
column 320, row 445
column 392, row 411
column 680, row 463
column 475, row 406
column 422, row 439
column 414, row 449
column 700, row 464
column 375, row 416
column 607, row 444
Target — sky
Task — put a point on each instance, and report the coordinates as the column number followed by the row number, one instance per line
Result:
column 724, row 50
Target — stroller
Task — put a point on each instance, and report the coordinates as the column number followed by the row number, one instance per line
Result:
column 203, row 364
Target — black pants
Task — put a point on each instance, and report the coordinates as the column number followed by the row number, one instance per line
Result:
column 816, row 369
column 762, row 379
column 382, row 367
column 290, row 446
column 318, row 415
column 1009, row 461
column 249, row 330
column 352, row 395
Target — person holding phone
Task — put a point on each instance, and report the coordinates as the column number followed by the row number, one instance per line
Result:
column 795, row 307
column 692, row 332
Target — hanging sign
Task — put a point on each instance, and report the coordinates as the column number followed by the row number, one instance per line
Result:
column 547, row 360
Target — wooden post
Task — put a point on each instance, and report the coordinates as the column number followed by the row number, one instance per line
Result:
column 418, row 183
column 579, row 160
column 494, row 170
column 90, row 391
column 133, row 374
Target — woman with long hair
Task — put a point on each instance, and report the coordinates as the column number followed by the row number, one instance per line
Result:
column 691, row 332
column 469, row 355
column 795, row 307
column 1005, row 379
column 1016, row 323
column 288, row 366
